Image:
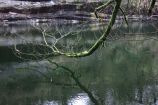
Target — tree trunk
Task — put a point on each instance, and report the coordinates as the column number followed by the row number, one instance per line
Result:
column 153, row 2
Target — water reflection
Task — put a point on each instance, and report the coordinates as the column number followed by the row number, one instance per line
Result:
column 79, row 99
column 122, row 72
column 49, row 103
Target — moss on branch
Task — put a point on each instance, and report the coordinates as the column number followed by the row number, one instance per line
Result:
column 99, row 42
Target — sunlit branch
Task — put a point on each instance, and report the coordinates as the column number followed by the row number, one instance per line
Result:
column 99, row 41
column 56, row 51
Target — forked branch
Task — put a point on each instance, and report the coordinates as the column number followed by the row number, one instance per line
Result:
column 101, row 39
column 102, row 6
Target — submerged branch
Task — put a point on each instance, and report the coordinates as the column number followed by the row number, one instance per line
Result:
column 50, row 80
column 78, row 83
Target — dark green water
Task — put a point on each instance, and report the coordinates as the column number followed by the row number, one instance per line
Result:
column 121, row 72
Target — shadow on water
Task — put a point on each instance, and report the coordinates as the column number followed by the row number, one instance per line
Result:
column 7, row 55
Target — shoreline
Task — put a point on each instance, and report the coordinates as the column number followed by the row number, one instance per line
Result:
column 79, row 12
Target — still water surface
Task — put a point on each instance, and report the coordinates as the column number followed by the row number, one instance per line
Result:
column 123, row 71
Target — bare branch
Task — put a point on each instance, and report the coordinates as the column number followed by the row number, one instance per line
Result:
column 102, row 6
column 101, row 39
column 124, row 15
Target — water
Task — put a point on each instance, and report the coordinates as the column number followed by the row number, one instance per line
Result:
column 123, row 71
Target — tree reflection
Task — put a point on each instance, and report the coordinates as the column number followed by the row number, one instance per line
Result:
column 121, row 73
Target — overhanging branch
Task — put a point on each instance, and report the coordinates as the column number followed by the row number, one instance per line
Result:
column 100, row 40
